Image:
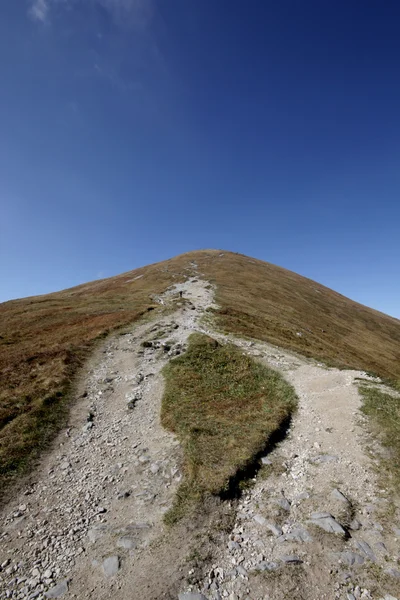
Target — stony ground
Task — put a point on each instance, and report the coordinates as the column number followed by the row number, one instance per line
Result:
column 314, row 524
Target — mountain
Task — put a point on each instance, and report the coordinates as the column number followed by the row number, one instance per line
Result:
column 44, row 339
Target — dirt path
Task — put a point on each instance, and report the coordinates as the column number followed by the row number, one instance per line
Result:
column 315, row 524
column 91, row 526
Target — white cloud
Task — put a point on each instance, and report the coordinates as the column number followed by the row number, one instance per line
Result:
column 39, row 10
column 136, row 13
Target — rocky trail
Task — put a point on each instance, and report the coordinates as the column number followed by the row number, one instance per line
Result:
column 314, row 524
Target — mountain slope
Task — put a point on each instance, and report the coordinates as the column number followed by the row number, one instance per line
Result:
column 44, row 339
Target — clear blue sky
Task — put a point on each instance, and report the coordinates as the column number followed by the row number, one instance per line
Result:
column 135, row 130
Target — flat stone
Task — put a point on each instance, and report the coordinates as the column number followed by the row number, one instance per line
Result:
column 298, row 534
column 351, row 558
column 291, row 559
column 320, row 515
column 366, row 549
column 110, row 566
column 260, row 519
column 58, row 590
column 275, row 529
column 95, row 533
column 241, row 571
column 191, row 596
column 328, row 524
column 126, row 543
column 339, row 496
column 283, row 503
column 355, row 525
column 266, row 461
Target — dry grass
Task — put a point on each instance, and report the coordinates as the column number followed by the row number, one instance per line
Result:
column 224, row 407
column 43, row 340
column 384, row 412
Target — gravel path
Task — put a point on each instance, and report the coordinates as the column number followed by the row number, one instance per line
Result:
column 314, row 525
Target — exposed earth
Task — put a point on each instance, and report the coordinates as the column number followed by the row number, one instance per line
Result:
column 314, row 523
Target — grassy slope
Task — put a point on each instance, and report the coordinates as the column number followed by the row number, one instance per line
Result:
column 223, row 406
column 43, row 340
column 384, row 409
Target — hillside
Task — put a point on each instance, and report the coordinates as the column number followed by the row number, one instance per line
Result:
column 195, row 459
column 44, row 339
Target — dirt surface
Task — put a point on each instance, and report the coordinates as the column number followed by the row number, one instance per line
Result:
column 91, row 523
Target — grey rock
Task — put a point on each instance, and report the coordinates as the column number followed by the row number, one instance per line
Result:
column 283, row 503
column 366, row 549
column 339, row 496
column 329, row 524
column 266, row 461
column 260, row 519
column 396, row 531
column 275, row 529
column 233, row 546
column 110, row 566
column 355, row 525
column 351, row 558
column 191, row 596
column 232, row 573
column 126, row 543
column 96, row 533
column 58, row 590
column 291, row 559
column 301, row 496
column 298, row 534
column 320, row 515
column 241, row 571
column 350, row 597
column 266, row 566
column 393, row 573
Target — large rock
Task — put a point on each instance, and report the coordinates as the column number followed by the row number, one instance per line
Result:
column 110, row 566
column 351, row 558
column 58, row 590
column 326, row 522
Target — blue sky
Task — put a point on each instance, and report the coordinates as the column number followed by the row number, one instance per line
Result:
column 135, row 130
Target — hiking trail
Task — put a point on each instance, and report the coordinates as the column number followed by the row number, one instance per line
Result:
column 315, row 523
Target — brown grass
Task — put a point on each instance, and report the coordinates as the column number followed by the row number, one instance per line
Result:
column 383, row 409
column 224, row 407
column 43, row 340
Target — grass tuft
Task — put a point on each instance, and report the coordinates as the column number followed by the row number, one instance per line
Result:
column 224, row 407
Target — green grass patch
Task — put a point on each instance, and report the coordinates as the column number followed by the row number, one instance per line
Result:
column 224, row 407
column 384, row 412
